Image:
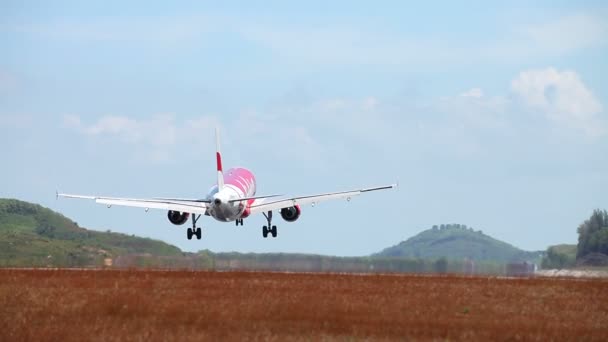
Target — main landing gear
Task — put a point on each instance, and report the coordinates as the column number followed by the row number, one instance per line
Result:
column 239, row 222
column 269, row 229
column 195, row 231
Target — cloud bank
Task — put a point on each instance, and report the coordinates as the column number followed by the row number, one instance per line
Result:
column 562, row 97
column 460, row 124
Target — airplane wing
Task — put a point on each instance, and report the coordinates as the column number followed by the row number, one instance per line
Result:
column 263, row 205
column 194, row 207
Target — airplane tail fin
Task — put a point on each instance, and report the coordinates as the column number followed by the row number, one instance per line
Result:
column 218, row 156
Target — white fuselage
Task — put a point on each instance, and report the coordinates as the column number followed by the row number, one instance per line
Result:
column 225, row 205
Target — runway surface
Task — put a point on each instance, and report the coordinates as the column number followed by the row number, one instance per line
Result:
column 109, row 305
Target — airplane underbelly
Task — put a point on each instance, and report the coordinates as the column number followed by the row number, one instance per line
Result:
column 225, row 212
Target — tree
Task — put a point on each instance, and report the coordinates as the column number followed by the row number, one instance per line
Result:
column 593, row 234
column 560, row 256
column 441, row 265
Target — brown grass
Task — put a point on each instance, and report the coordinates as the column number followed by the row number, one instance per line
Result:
column 106, row 305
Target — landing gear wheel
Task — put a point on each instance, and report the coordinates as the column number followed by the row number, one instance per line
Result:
column 189, row 233
column 274, row 231
column 270, row 228
column 194, row 231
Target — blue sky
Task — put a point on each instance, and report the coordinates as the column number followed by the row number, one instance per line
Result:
column 488, row 115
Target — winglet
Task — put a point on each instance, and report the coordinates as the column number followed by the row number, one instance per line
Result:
column 218, row 156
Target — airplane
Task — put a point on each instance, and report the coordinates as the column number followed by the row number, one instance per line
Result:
column 232, row 198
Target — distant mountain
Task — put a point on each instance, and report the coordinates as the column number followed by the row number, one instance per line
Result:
column 31, row 235
column 458, row 242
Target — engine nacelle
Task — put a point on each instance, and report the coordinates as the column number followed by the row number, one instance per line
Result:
column 291, row 214
column 177, row 218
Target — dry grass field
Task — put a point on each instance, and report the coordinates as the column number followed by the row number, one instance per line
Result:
column 108, row 305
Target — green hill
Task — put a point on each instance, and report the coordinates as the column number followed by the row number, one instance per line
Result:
column 31, row 235
column 458, row 242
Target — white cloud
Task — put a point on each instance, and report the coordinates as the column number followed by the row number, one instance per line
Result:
column 366, row 120
column 158, row 136
column 569, row 33
column 562, row 97
column 465, row 121
column 271, row 134
column 475, row 109
column 473, row 92
column 344, row 124
column 163, row 135
column 159, row 130
column 461, row 125
column 115, row 125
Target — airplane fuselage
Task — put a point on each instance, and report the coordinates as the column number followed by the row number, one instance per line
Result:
column 239, row 183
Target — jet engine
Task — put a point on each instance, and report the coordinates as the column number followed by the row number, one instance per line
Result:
column 290, row 214
column 177, row 218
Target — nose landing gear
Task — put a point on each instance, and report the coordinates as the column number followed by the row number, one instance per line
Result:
column 269, row 229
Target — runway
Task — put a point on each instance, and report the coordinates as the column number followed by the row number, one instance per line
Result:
column 58, row 304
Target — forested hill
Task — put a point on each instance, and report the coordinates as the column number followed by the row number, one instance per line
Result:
column 31, row 235
column 457, row 242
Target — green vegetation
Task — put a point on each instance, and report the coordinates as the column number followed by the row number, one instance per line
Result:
column 321, row 263
column 457, row 242
column 591, row 250
column 31, row 235
column 34, row 236
column 593, row 235
column 559, row 256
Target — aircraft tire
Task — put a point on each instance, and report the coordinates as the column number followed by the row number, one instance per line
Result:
column 265, row 232
column 199, row 233
column 274, row 231
column 189, row 233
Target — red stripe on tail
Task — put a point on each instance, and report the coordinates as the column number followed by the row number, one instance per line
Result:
column 219, row 161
